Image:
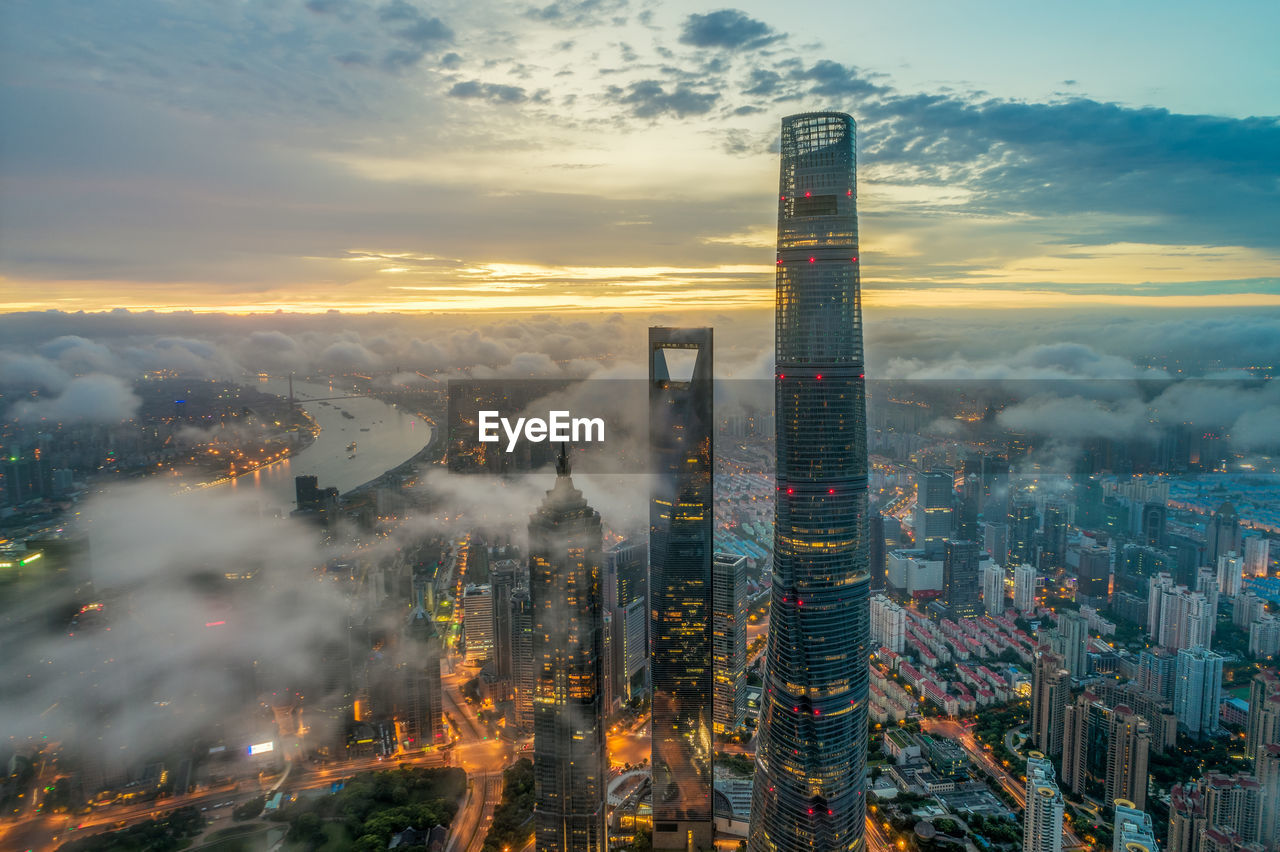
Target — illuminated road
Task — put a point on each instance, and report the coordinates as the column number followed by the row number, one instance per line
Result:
column 876, row 839
column 483, row 757
column 629, row 744
column 1012, row 786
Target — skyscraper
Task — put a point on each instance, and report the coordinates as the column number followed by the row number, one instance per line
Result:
column 569, row 758
column 1104, row 751
column 1094, row 574
column 1023, row 526
column 522, row 657
column 1132, row 826
column 960, row 582
column 993, row 577
column 477, row 622
column 1263, row 725
column 1197, row 691
column 1071, row 639
column 681, row 516
column 1230, row 574
column 1222, row 533
column 1257, row 556
column 420, row 711
column 811, row 761
column 1053, row 551
column 935, row 511
column 502, row 581
column 1024, row 588
column 1050, row 692
column 729, row 641
column 1042, row 828
column 888, row 624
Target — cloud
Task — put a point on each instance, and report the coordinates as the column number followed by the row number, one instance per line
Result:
column 831, row 79
column 86, row 399
column 578, row 13
column 648, row 99
column 31, row 372
column 727, row 28
column 494, row 92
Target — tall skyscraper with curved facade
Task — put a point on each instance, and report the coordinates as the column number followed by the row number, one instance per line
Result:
column 811, row 761
column 570, row 762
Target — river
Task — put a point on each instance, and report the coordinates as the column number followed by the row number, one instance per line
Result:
column 385, row 437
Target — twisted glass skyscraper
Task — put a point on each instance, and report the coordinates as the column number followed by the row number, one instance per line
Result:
column 811, row 761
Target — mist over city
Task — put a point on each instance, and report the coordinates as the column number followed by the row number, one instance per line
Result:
column 629, row 425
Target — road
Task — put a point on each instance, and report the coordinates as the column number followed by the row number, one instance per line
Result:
column 1015, row 788
column 877, row 841
column 483, row 757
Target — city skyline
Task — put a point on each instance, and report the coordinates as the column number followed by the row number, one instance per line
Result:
column 982, row 553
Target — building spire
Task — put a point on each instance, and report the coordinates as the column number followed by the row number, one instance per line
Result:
column 562, row 460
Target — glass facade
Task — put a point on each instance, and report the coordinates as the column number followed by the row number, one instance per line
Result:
column 811, row 759
column 681, row 585
column 569, row 758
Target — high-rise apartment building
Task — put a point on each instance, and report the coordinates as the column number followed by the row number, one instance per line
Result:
column 729, row 641
column 1230, row 575
column 888, row 624
column 1024, row 588
column 809, row 785
column 1262, row 728
column 1157, row 672
column 1178, row 618
column 1070, row 638
column 1131, row 826
column 1050, row 693
column 1105, row 749
column 681, row 527
column 993, row 577
column 1042, row 822
column 1197, row 691
column 1186, row 818
column 1257, row 556
column 1264, row 637
column 1233, row 803
column 569, row 757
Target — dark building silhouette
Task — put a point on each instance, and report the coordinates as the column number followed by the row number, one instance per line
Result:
column 960, row 581
column 1053, row 550
column 968, row 508
column 502, row 581
column 1023, row 526
column 810, row 779
column 681, row 544
column 1154, row 517
column 1093, row 574
column 935, row 511
column 1222, row 534
column 419, row 710
column 879, row 552
column 569, row 758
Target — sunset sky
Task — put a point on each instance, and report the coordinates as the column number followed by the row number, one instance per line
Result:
column 621, row 154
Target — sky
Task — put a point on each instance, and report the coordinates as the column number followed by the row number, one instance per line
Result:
column 615, row 155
